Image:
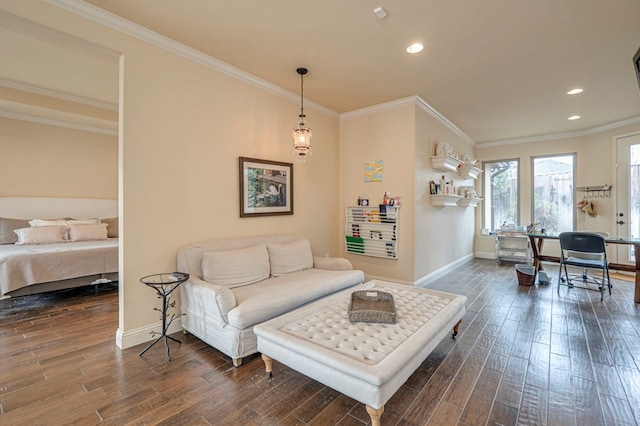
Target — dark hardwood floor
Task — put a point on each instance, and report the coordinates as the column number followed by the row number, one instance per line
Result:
column 524, row 356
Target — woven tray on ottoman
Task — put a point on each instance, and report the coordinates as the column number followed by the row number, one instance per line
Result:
column 372, row 306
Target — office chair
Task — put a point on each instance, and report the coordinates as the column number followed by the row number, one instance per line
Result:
column 585, row 250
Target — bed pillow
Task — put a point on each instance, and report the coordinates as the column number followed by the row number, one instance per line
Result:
column 112, row 228
column 290, row 257
column 235, row 268
column 46, row 222
column 54, row 222
column 91, row 232
column 7, row 226
column 92, row 221
column 41, row 235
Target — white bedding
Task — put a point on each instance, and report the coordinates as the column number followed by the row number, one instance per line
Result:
column 24, row 265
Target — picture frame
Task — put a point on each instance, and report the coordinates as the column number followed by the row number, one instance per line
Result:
column 266, row 187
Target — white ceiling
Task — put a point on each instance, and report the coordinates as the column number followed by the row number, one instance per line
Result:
column 497, row 69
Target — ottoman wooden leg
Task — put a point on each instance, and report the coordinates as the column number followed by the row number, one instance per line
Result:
column 375, row 415
column 455, row 329
column 268, row 364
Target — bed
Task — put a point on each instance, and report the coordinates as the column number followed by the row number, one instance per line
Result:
column 37, row 268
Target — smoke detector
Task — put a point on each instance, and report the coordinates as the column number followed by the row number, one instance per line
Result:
column 380, row 12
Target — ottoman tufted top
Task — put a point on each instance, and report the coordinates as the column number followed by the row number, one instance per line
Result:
column 367, row 362
column 331, row 329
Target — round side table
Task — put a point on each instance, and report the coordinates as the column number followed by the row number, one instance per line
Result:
column 164, row 284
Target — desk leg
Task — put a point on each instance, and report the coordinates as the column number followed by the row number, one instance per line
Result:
column 536, row 249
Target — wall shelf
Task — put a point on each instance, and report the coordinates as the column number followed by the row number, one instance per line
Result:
column 468, row 170
column 469, row 202
column 372, row 231
column 445, row 163
column 445, row 200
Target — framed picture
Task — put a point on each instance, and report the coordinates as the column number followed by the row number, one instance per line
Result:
column 266, row 187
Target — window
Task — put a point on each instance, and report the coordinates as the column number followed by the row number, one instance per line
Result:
column 501, row 190
column 553, row 192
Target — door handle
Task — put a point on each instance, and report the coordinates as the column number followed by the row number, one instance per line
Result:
column 620, row 222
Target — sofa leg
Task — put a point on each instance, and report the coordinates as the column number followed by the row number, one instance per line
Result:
column 237, row 362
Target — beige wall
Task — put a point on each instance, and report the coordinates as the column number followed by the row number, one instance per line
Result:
column 442, row 234
column 404, row 137
column 39, row 160
column 183, row 126
column 388, row 136
column 595, row 166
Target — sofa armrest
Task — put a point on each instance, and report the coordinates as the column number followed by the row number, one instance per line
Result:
column 206, row 293
column 332, row 263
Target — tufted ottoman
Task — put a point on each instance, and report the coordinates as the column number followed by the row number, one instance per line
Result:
column 367, row 362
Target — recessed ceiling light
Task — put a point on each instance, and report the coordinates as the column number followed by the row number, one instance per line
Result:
column 574, row 117
column 575, row 91
column 415, row 48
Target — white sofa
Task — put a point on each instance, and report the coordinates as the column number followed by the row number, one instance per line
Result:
column 237, row 283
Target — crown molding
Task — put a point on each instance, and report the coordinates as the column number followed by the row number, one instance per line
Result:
column 442, row 119
column 564, row 135
column 49, row 35
column 142, row 33
column 58, row 123
column 410, row 100
column 57, row 94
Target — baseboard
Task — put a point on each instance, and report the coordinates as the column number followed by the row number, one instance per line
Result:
column 129, row 338
column 368, row 278
column 485, row 255
column 427, row 279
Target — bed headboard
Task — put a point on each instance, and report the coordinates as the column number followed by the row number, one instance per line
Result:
column 53, row 208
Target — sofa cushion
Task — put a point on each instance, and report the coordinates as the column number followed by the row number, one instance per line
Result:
column 286, row 258
column 275, row 296
column 233, row 268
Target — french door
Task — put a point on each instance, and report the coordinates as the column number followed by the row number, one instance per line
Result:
column 627, row 189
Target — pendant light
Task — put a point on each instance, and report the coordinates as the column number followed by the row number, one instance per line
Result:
column 301, row 133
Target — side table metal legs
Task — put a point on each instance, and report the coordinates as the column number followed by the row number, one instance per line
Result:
column 164, row 293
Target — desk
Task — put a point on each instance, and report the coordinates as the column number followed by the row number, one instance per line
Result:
column 537, row 243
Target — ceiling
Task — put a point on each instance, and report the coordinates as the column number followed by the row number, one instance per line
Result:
column 497, row 69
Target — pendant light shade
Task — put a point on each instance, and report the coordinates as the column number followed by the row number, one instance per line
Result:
column 301, row 133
